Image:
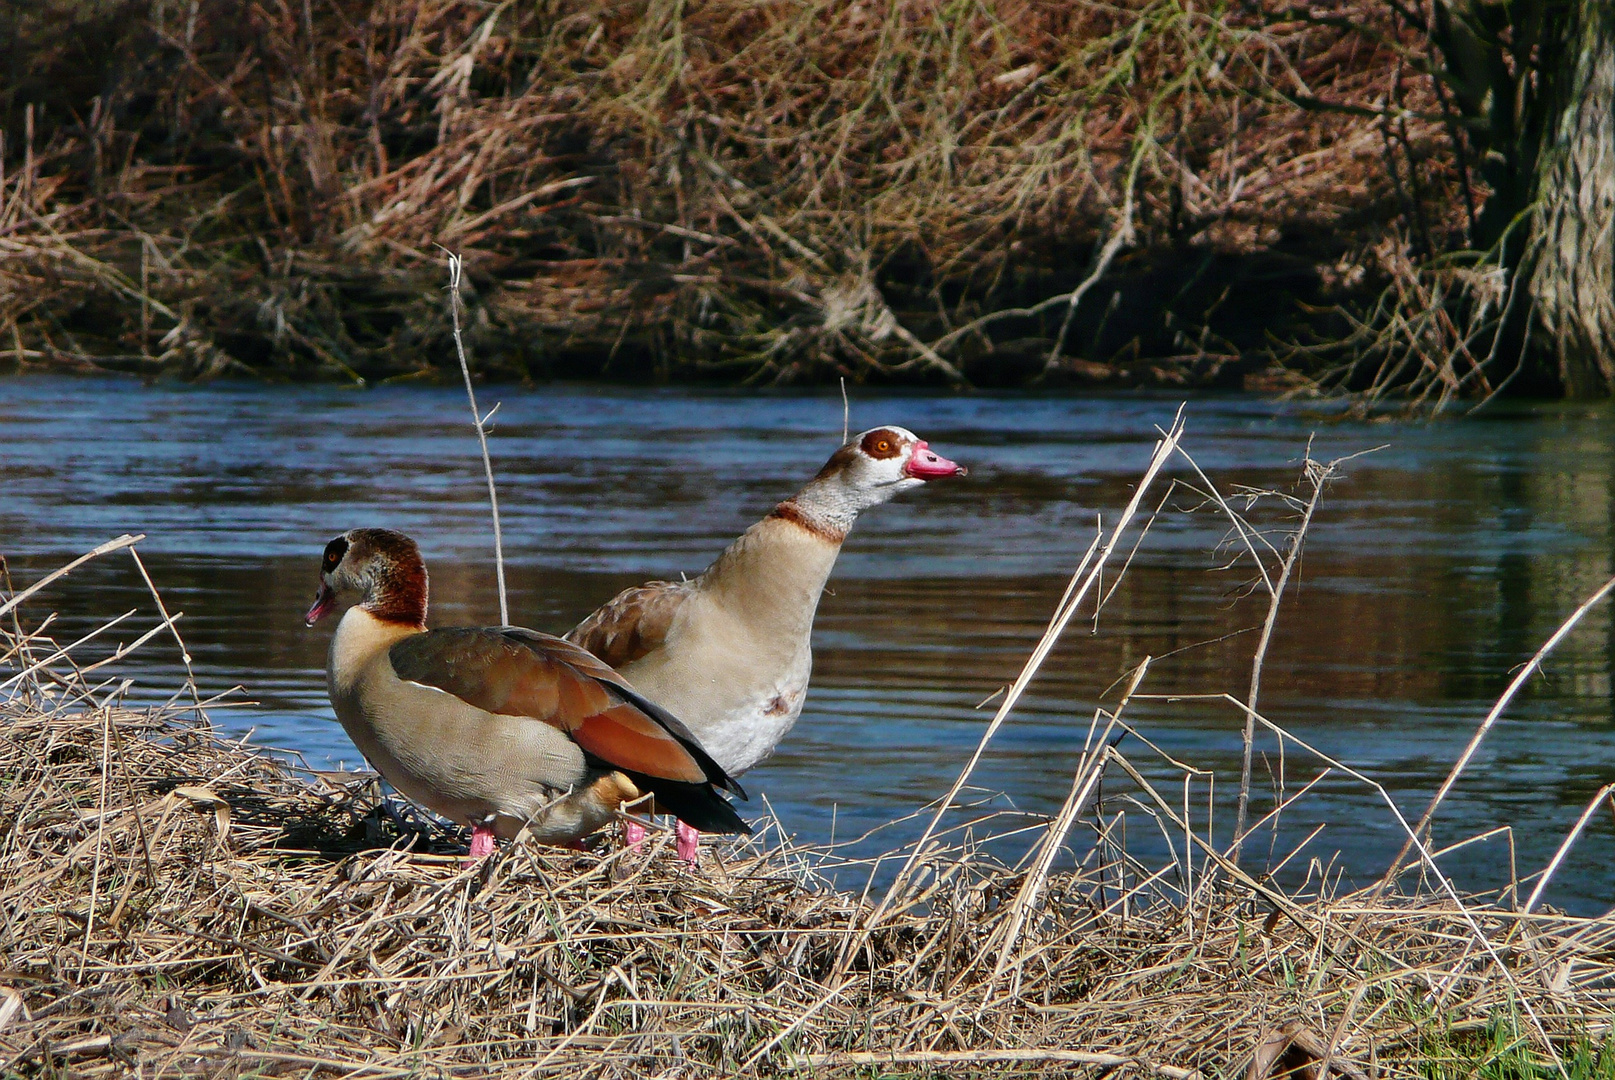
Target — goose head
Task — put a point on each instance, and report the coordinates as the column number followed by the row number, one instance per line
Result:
column 871, row 468
column 379, row 569
column 882, row 462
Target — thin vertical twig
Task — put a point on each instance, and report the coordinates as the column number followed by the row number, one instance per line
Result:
column 455, row 264
column 21, row 640
column 100, row 827
column 846, row 412
column 1317, row 474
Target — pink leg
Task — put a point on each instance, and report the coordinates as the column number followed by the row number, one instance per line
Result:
column 689, row 840
column 482, row 842
column 633, row 833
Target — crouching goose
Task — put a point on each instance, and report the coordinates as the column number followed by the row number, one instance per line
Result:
column 498, row 727
column 730, row 651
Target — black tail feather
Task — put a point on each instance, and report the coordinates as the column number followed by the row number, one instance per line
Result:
column 697, row 805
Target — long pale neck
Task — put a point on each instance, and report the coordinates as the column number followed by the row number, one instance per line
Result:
column 774, row 574
column 360, row 637
column 827, row 506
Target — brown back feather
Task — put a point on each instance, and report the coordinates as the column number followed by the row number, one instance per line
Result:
column 632, row 623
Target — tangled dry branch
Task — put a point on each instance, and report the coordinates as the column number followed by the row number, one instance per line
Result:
column 988, row 191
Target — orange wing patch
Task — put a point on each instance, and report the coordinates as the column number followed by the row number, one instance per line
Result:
column 623, row 736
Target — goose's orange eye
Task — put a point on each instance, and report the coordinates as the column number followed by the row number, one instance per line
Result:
column 880, row 444
column 334, row 552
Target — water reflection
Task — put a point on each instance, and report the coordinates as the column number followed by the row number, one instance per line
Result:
column 1435, row 567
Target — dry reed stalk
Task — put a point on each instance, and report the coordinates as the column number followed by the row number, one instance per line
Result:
column 1253, row 542
column 1082, row 582
column 1515, row 685
column 480, row 420
column 169, row 621
column 1090, row 769
column 1604, row 793
column 124, row 541
column 1316, row 475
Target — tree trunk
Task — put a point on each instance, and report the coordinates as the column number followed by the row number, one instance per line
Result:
column 1573, row 221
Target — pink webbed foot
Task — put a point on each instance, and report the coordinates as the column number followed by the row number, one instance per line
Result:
column 689, row 842
column 633, row 833
column 482, row 843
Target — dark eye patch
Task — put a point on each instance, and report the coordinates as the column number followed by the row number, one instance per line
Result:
column 334, row 551
column 881, row 443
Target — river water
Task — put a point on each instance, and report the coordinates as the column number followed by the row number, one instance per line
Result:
column 1436, row 565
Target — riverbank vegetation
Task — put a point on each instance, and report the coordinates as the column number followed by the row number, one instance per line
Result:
column 180, row 903
column 1156, row 191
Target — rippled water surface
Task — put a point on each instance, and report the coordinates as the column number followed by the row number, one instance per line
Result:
column 1435, row 567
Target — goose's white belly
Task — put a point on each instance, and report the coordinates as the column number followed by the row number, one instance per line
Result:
column 739, row 711
column 750, row 731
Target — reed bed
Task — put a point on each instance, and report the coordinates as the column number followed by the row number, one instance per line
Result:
column 191, row 906
column 176, row 903
column 991, row 191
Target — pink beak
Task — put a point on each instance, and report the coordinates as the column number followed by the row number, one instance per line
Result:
column 925, row 464
column 324, row 601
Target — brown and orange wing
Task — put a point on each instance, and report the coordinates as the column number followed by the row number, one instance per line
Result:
column 632, row 623
column 656, row 718
column 516, row 672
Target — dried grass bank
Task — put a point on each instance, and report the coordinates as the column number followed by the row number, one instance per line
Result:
column 185, row 906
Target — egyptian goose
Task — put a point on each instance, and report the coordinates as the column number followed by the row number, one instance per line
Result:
column 498, row 727
column 730, row 651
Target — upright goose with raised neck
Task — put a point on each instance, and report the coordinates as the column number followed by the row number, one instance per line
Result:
column 498, row 727
column 730, row 652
